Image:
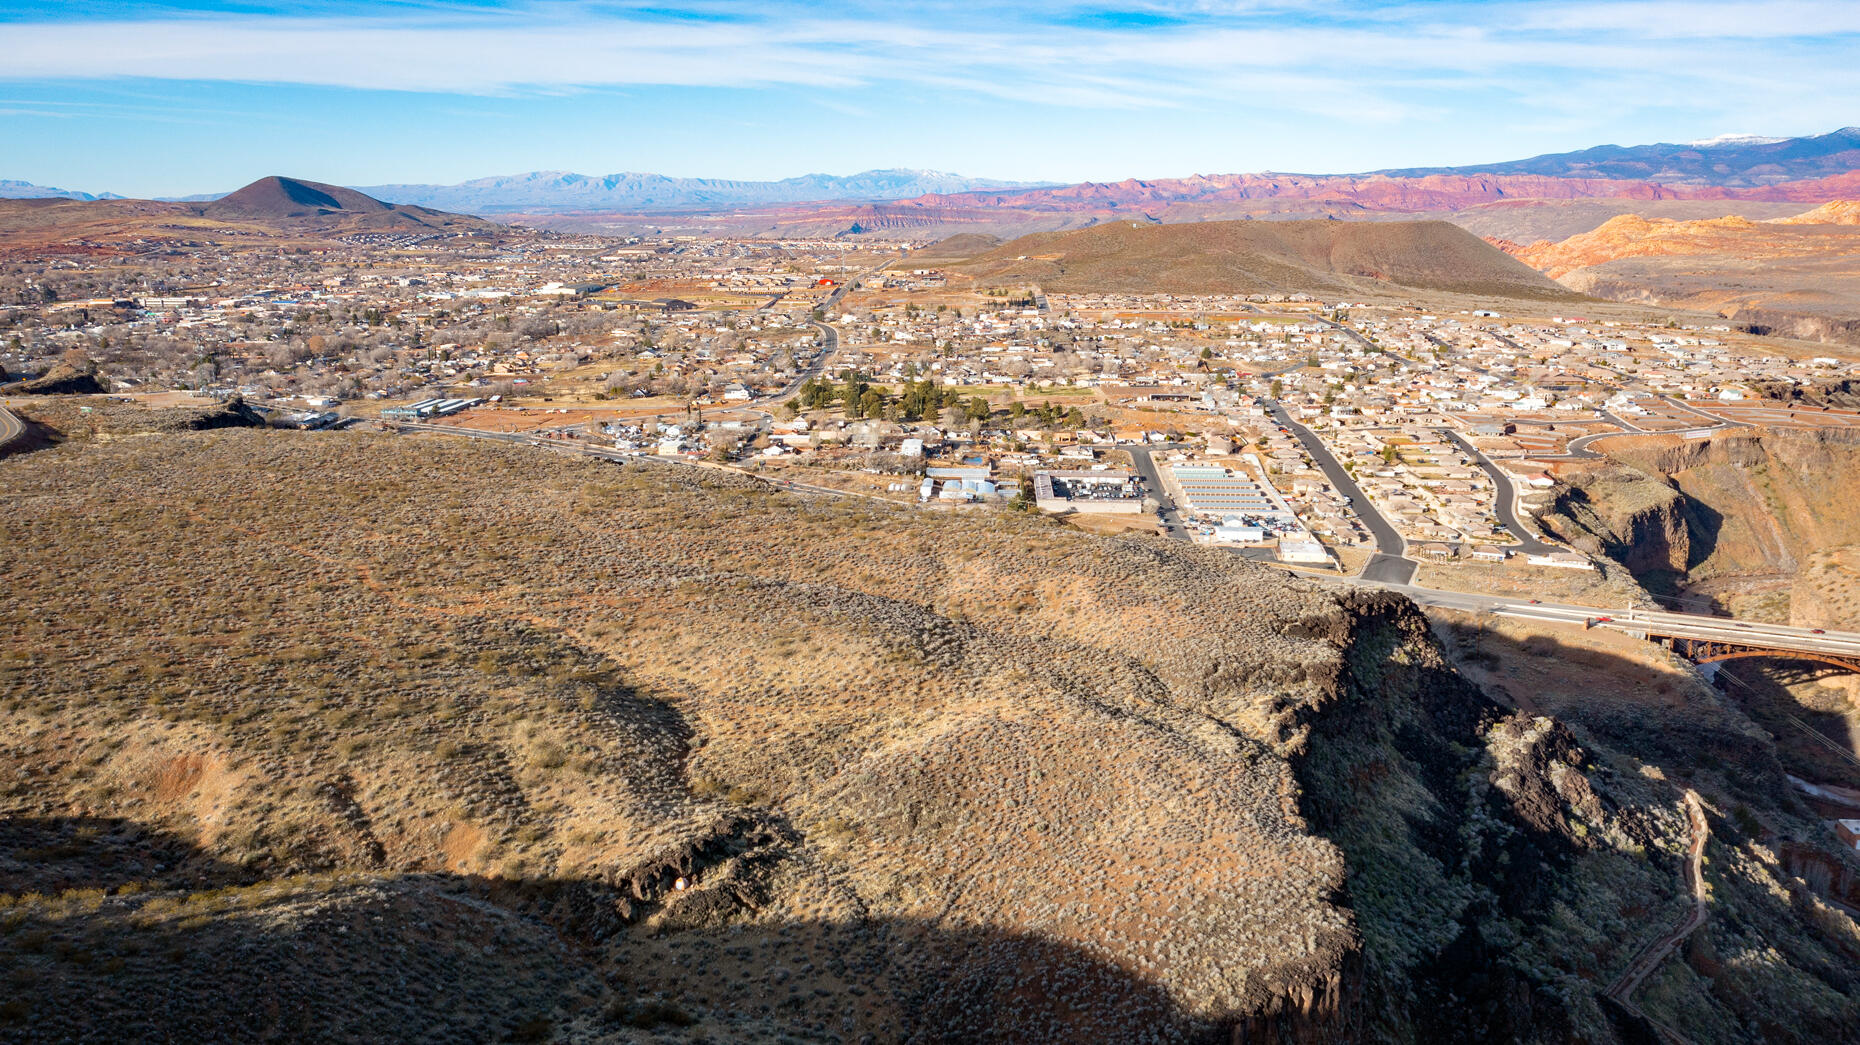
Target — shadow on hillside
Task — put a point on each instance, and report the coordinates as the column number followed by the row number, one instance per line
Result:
column 1385, row 780
column 1515, row 848
column 1658, row 723
column 34, row 435
column 53, row 854
column 439, row 957
column 1703, row 525
column 1817, row 741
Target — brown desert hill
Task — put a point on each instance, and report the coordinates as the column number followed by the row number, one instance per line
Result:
column 1833, row 212
column 259, row 214
column 289, row 201
column 1324, row 258
column 509, row 746
column 1797, row 275
column 960, row 247
column 279, row 197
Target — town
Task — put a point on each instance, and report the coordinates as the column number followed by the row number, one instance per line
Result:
column 1318, row 434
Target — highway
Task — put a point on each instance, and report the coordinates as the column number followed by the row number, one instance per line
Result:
column 1389, row 563
column 1633, row 620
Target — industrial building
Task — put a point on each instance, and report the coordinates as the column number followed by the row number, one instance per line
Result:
column 956, row 484
column 1219, row 495
column 1097, row 490
column 428, row 408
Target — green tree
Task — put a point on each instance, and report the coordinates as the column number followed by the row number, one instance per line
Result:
column 922, row 400
column 1024, row 499
column 852, row 394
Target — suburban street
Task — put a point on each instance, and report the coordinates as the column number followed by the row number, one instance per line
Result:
column 829, row 339
column 1152, row 480
column 1504, row 498
column 1388, row 565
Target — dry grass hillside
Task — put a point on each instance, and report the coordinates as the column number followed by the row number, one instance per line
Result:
column 336, row 736
column 1324, row 258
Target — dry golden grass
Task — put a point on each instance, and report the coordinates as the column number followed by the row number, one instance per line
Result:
column 357, row 708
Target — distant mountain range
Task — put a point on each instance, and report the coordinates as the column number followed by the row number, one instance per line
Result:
column 25, row 190
column 554, row 191
column 1732, row 161
column 1812, row 169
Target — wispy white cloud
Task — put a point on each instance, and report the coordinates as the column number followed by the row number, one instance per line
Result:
column 1347, row 60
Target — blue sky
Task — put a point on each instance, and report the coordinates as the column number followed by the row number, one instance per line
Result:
column 172, row 98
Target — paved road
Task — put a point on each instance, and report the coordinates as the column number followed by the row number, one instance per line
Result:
column 1620, row 422
column 1152, row 478
column 10, row 427
column 1347, row 330
column 1578, row 449
column 1388, row 564
column 1504, row 498
column 1637, row 621
column 1716, row 421
column 829, row 339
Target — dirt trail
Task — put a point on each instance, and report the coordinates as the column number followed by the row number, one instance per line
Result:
column 1623, row 988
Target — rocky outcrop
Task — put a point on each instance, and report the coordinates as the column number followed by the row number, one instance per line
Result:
column 1458, row 820
column 63, row 378
column 1842, row 394
column 1750, row 502
column 1632, row 517
column 1797, row 277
